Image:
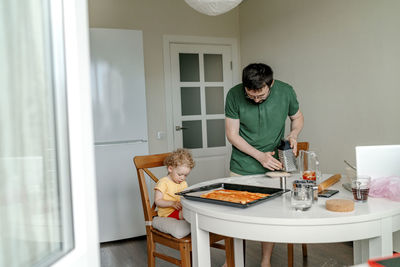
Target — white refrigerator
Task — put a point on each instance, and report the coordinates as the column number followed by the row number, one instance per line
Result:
column 120, row 129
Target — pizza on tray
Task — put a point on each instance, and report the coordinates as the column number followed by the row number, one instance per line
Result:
column 235, row 196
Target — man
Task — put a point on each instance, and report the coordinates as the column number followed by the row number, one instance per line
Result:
column 256, row 111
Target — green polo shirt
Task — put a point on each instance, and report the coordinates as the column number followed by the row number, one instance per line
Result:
column 261, row 125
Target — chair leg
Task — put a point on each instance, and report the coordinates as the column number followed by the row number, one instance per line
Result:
column 229, row 252
column 290, row 254
column 304, row 248
column 184, row 248
column 244, row 252
column 151, row 259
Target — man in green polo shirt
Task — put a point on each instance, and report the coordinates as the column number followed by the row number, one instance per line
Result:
column 256, row 111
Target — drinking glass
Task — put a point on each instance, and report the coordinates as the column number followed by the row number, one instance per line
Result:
column 360, row 188
column 301, row 198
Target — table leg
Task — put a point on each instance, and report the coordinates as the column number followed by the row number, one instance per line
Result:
column 379, row 246
column 238, row 248
column 200, row 244
column 360, row 251
column 396, row 241
column 382, row 245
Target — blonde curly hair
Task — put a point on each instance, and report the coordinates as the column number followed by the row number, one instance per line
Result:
column 180, row 157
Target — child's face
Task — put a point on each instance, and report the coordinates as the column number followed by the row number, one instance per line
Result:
column 178, row 174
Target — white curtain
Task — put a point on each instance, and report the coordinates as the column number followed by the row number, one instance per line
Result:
column 30, row 216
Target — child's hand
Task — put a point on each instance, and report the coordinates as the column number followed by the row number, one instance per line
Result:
column 177, row 205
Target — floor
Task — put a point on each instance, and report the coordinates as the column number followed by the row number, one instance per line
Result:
column 132, row 253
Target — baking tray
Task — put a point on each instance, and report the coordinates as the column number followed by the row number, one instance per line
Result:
column 194, row 194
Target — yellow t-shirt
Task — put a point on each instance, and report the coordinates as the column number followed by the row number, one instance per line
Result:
column 169, row 188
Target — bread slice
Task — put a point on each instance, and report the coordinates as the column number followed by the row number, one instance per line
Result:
column 278, row 174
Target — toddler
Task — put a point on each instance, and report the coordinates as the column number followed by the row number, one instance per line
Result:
column 179, row 165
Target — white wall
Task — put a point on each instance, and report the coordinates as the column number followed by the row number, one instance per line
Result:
column 343, row 59
column 157, row 18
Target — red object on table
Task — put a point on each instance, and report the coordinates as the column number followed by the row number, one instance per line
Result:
column 309, row 175
column 389, row 261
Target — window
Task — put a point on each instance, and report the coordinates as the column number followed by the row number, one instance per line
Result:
column 35, row 195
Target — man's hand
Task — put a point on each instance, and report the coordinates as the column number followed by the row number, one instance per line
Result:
column 177, row 205
column 265, row 158
column 268, row 161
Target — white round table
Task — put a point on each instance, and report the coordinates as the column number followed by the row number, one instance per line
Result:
column 370, row 225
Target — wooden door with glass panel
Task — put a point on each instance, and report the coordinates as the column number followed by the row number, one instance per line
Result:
column 201, row 78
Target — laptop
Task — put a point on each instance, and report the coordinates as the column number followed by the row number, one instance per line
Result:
column 378, row 161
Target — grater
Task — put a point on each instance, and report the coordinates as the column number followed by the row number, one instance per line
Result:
column 286, row 156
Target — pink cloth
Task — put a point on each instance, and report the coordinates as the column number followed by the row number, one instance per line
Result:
column 387, row 187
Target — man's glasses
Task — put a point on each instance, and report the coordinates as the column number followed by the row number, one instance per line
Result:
column 258, row 97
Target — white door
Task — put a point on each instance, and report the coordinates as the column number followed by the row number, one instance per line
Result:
column 47, row 193
column 201, row 76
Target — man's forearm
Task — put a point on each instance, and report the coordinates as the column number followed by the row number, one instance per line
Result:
column 296, row 126
column 265, row 158
column 242, row 145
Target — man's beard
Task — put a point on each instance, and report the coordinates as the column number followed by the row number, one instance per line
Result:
column 257, row 103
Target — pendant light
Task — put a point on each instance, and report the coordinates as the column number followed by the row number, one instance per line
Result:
column 213, row 7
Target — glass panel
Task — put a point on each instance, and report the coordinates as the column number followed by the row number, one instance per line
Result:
column 215, row 100
column 213, row 68
column 192, row 136
column 35, row 207
column 189, row 67
column 190, row 101
column 216, row 133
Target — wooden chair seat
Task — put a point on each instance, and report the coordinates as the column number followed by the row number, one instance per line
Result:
column 165, row 236
column 184, row 245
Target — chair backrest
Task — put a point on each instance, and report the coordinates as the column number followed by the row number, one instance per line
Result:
column 143, row 163
column 302, row 146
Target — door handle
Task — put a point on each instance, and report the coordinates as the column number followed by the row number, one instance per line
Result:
column 179, row 128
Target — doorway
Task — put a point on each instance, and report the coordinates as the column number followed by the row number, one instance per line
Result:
column 200, row 76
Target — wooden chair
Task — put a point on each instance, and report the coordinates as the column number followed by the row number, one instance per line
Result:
column 184, row 245
column 300, row 146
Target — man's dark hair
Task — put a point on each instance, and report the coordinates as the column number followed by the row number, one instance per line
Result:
column 255, row 76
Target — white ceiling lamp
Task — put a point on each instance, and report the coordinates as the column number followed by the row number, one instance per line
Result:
column 213, row 7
